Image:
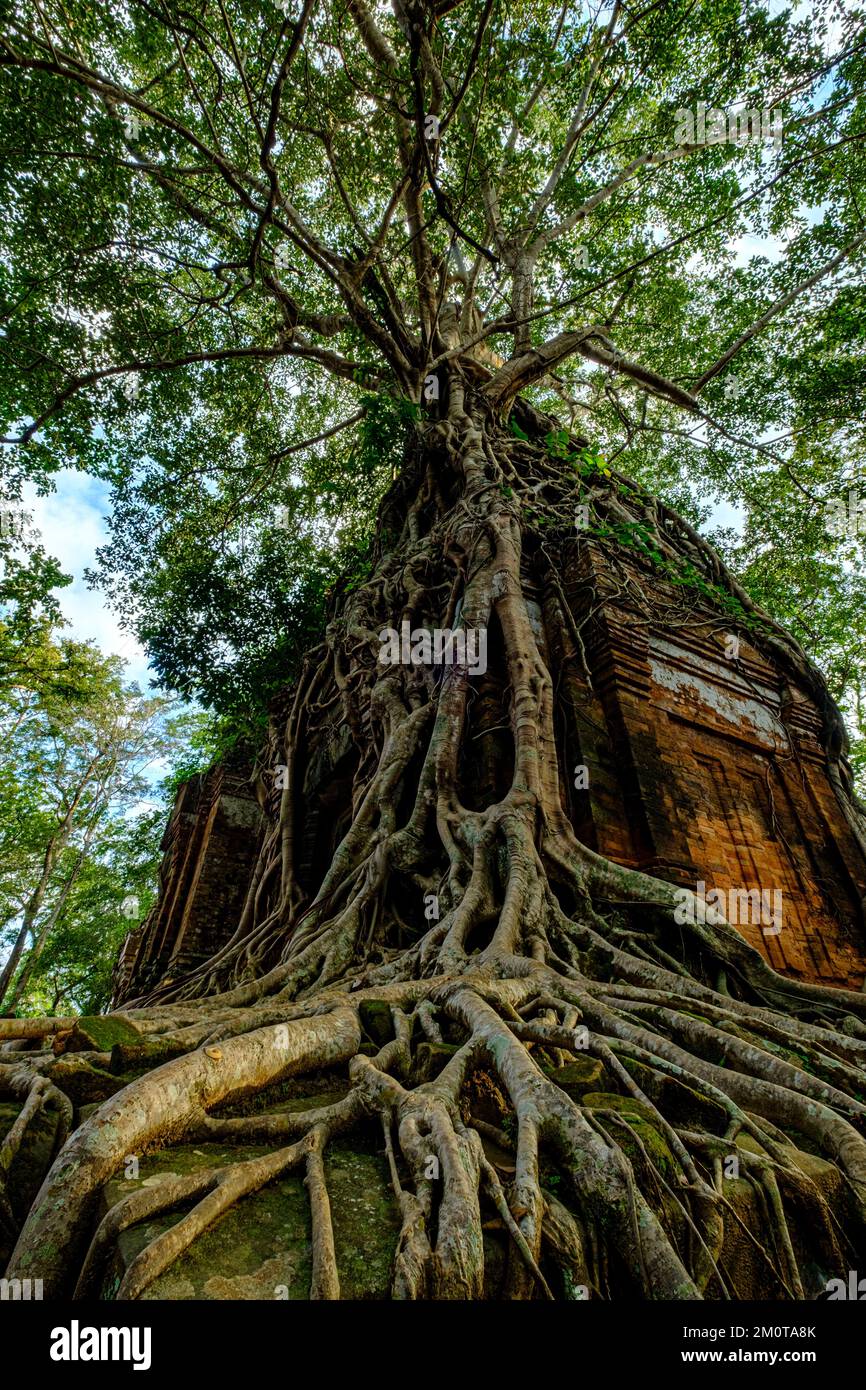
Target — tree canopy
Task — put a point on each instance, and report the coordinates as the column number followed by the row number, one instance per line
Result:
column 79, row 822
column 288, row 217
column 81, row 792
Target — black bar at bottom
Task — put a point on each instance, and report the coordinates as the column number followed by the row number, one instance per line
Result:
column 56, row 1341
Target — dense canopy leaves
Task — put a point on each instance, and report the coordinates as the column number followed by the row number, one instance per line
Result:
column 233, row 227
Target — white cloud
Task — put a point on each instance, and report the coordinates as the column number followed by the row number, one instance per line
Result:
column 71, row 522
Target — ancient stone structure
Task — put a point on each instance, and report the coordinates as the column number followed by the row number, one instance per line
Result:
column 209, row 849
column 707, row 766
column 694, row 759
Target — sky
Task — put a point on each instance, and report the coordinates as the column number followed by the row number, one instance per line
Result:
column 72, row 524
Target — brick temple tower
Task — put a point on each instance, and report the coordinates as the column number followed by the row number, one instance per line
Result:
column 707, row 766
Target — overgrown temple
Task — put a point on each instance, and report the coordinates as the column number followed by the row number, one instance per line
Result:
column 703, row 764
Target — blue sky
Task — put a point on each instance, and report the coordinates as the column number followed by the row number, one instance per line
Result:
column 71, row 521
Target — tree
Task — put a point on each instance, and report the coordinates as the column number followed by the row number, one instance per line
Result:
column 34, row 665
column 301, row 238
column 71, row 768
column 103, row 894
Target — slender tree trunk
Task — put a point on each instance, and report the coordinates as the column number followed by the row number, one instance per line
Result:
column 31, row 911
column 45, row 930
column 54, row 848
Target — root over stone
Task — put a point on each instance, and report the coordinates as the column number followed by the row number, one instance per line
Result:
column 517, row 987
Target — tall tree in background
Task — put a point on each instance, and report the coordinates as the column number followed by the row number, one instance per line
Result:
column 327, row 252
column 77, row 749
column 103, row 893
column 67, row 768
column 34, row 665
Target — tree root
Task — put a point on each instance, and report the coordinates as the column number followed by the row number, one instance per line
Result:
column 518, row 978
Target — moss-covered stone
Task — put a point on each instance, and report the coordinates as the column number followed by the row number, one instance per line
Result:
column 682, row 1105
column 84, row 1112
column 578, row 1077
column 749, row 1273
column 143, row 1055
column 261, row 1248
column 643, row 1123
column 83, row 1082
column 365, row 1216
column 749, row 1142
column 312, row 1089
column 99, row 1033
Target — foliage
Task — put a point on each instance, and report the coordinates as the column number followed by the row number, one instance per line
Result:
column 77, row 760
column 262, row 251
column 114, row 891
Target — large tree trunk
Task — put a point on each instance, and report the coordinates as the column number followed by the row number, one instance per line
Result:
column 457, row 807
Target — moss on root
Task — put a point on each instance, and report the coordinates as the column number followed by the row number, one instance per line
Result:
column 647, row 1140
column 261, row 1248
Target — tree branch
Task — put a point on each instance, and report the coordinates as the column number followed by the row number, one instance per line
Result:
column 774, row 309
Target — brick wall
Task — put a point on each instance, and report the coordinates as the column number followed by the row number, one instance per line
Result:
column 706, row 766
column 209, row 850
